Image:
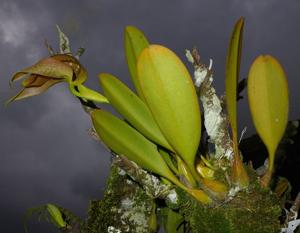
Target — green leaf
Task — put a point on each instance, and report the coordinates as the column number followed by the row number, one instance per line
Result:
column 172, row 221
column 56, row 215
column 239, row 174
column 152, row 220
column 269, row 102
column 184, row 171
column 167, row 157
column 125, row 140
column 87, row 93
column 170, row 95
column 135, row 41
column 232, row 74
column 130, row 106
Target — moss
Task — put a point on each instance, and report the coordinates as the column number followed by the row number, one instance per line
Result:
column 253, row 211
column 124, row 208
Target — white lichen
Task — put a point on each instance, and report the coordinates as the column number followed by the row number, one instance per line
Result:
column 292, row 225
column 214, row 120
column 172, row 197
column 150, row 183
column 134, row 212
column 127, row 203
column 199, row 76
column 121, row 172
column 189, row 56
column 212, row 114
column 154, row 187
column 214, row 123
column 112, row 229
column 233, row 191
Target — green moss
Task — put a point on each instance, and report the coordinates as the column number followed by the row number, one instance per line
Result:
column 254, row 211
column 126, row 208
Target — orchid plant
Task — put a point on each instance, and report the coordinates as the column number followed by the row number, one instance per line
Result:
column 163, row 126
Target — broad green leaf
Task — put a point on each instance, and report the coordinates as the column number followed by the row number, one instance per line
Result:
column 132, row 108
column 135, row 42
column 167, row 157
column 268, row 101
column 125, row 140
column 170, row 95
column 239, row 174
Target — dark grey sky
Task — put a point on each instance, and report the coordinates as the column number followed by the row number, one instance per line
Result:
column 46, row 154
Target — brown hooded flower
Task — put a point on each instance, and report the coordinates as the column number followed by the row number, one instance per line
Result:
column 50, row 71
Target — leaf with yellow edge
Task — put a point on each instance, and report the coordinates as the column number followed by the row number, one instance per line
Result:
column 200, row 195
column 239, row 174
column 232, row 72
column 167, row 157
column 125, row 140
column 170, row 95
column 132, row 108
column 269, row 103
column 205, row 171
column 218, row 189
column 185, row 172
column 135, row 41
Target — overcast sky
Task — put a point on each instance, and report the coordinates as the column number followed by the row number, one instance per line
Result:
column 46, row 154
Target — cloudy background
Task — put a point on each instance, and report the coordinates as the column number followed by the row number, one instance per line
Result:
column 46, row 154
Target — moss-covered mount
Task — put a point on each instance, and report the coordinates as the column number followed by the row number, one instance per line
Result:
column 126, row 207
column 255, row 211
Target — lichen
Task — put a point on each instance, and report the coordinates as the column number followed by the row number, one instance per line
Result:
column 214, row 120
column 125, row 207
column 112, row 229
column 172, row 197
column 153, row 186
